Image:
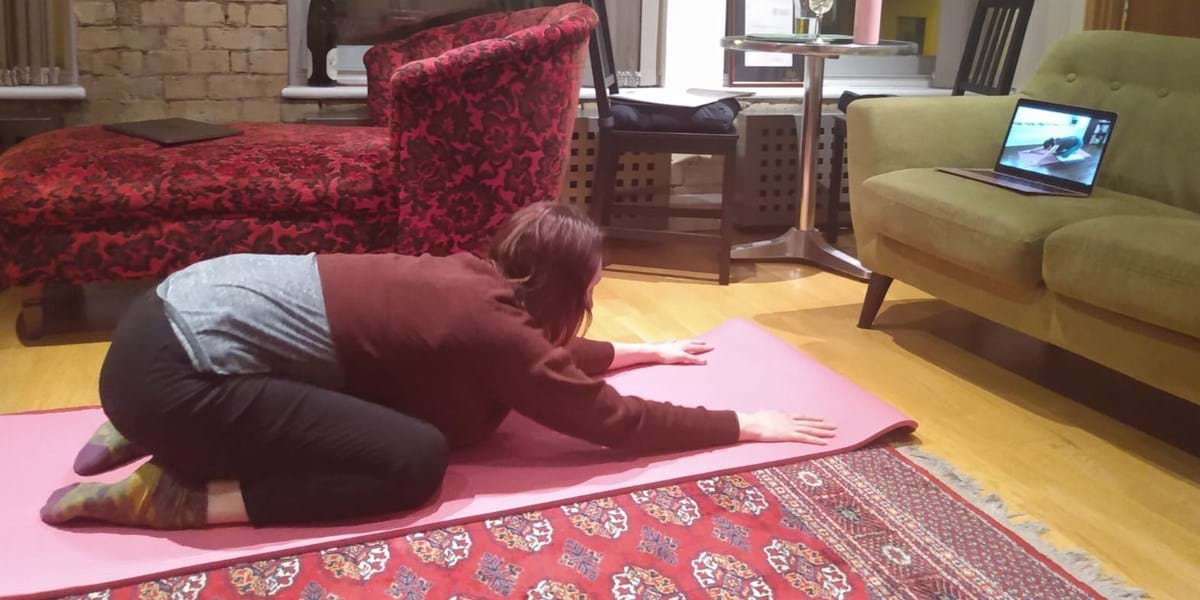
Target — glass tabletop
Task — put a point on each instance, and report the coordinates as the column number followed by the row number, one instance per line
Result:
column 831, row 45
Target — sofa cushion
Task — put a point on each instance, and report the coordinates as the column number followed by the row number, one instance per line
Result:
column 985, row 228
column 91, row 175
column 1147, row 268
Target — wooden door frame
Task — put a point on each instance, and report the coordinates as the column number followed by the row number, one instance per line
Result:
column 1105, row 14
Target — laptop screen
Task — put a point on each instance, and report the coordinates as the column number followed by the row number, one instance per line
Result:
column 1056, row 142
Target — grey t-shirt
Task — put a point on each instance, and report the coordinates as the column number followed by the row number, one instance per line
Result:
column 254, row 314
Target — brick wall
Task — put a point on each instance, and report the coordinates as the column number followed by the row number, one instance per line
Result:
column 212, row 60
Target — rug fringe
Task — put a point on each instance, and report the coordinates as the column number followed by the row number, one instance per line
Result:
column 1077, row 563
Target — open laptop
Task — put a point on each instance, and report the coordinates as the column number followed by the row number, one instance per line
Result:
column 1050, row 149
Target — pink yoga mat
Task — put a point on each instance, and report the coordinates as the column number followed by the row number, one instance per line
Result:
column 750, row 369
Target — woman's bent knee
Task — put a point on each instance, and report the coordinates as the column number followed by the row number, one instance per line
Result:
column 435, row 458
column 423, row 465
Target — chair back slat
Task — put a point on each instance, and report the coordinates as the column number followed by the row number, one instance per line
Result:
column 1010, row 23
column 993, row 47
column 996, row 42
column 604, row 70
column 987, row 43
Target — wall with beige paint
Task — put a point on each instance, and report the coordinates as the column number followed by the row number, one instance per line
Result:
column 1050, row 22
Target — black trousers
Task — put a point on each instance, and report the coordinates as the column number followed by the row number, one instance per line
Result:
column 301, row 453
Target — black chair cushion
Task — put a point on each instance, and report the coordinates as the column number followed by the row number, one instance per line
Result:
column 849, row 96
column 715, row 117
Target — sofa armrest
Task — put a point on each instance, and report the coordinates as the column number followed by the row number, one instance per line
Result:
column 891, row 134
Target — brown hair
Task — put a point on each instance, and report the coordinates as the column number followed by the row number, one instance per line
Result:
column 550, row 253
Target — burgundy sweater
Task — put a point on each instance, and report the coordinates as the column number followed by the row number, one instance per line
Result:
column 443, row 339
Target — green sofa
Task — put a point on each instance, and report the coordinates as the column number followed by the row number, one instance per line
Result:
column 1114, row 277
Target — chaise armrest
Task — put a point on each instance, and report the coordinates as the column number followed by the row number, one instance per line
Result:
column 384, row 58
column 483, row 129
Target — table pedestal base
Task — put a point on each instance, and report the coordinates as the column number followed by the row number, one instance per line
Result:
column 806, row 247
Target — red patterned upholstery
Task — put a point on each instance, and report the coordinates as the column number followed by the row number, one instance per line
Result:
column 484, row 129
column 383, row 59
column 272, row 168
column 480, row 127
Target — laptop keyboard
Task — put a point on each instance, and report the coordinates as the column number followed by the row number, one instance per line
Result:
column 1024, row 184
column 1011, row 179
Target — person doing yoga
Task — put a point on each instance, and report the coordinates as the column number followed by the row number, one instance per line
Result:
column 1063, row 146
column 274, row 389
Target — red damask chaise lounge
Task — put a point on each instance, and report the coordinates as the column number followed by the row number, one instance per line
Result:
column 470, row 122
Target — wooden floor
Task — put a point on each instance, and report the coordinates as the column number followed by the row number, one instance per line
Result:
column 985, row 399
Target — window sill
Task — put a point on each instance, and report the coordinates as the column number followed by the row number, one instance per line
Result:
column 43, row 92
column 833, row 88
column 336, row 92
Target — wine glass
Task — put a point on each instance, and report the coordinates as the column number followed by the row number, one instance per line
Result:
column 819, row 7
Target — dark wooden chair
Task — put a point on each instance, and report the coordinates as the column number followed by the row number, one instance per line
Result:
column 612, row 142
column 988, row 64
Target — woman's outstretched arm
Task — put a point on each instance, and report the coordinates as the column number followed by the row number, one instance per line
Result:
column 595, row 358
column 678, row 352
column 546, row 384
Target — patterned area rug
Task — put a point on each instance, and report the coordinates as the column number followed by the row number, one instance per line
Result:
column 866, row 524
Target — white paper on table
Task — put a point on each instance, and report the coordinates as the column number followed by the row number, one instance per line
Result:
column 769, row 16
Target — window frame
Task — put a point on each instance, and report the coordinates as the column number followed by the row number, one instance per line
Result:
column 61, row 28
column 954, row 13
column 738, row 74
column 650, row 56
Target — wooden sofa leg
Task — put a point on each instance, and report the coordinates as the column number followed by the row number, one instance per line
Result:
column 31, row 321
column 48, row 306
column 877, row 288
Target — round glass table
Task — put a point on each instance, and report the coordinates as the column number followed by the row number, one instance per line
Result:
column 803, row 243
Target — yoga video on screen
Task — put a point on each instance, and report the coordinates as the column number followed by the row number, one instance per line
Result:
column 1055, row 143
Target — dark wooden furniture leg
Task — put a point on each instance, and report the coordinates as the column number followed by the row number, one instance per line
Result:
column 604, row 184
column 49, row 306
column 877, row 288
column 833, row 201
column 728, row 195
column 31, row 321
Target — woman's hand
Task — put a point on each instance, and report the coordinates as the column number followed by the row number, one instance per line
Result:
column 681, row 352
column 776, row 426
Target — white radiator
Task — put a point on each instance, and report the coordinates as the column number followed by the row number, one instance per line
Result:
column 31, row 42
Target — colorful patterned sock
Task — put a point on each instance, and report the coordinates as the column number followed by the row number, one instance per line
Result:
column 107, row 450
column 150, row 497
